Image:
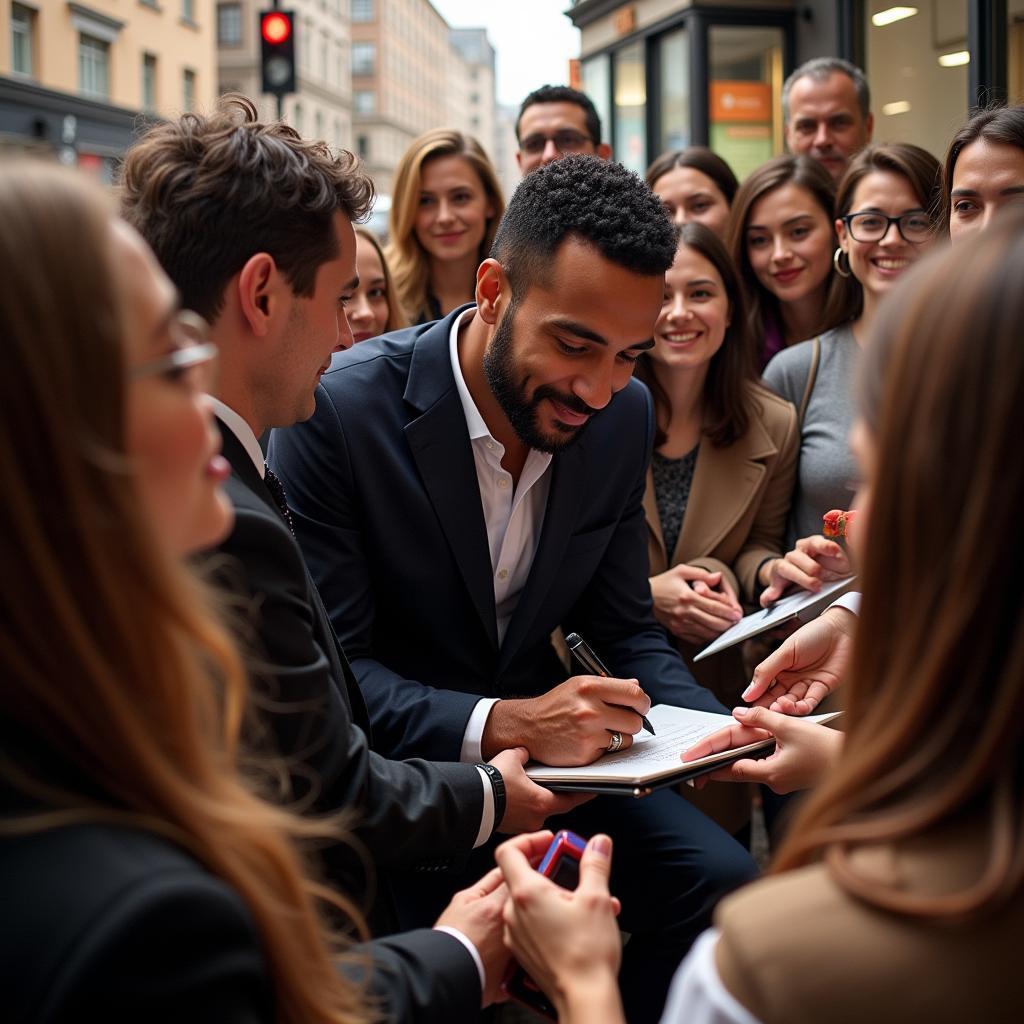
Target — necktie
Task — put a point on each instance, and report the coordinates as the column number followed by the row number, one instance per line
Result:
column 276, row 489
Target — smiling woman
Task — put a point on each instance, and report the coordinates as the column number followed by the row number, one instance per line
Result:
column 781, row 239
column 725, row 453
column 445, row 210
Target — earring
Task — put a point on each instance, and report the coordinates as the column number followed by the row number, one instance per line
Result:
column 837, row 257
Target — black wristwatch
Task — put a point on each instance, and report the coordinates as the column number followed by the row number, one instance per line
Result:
column 498, row 787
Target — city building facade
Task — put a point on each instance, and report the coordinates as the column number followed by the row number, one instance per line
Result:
column 478, row 110
column 321, row 106
column 670, row 73
column 75, row 77
column 400, row 79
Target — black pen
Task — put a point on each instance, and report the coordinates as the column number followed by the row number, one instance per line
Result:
column 592, row 663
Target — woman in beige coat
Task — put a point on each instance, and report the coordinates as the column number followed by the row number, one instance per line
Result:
column 899, row 895
column 721, row 478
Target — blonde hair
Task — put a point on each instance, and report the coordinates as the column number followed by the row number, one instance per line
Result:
column 408, row 259
column 933, row 709
column 396, row 314
column 113, row 660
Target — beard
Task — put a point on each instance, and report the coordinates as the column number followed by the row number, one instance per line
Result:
column 519, row 406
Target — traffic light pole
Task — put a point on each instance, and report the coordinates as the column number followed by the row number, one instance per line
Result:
column 275, row 5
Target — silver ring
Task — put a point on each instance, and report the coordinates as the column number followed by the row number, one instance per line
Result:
column 615, row 742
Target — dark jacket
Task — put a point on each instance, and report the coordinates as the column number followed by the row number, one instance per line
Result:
column 386, row 503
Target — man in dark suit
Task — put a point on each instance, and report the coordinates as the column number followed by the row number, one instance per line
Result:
column 465, row 487
column 261, row 243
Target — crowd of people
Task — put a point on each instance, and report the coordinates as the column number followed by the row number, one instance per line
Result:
column 267, row 718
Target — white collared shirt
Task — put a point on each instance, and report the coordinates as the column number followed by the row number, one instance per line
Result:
column 242, row 431
column 513, row 516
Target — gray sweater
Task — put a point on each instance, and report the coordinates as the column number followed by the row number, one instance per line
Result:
column 827, row 466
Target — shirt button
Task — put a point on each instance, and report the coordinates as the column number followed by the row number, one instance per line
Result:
column 503, row 574
column 503, row 482
column 490, row 445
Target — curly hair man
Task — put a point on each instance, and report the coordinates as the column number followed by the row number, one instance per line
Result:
column 466, row 487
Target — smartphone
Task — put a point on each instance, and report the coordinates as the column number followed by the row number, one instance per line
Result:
column 561, row 863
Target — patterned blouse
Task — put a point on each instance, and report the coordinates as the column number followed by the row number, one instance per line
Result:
column 672, row 481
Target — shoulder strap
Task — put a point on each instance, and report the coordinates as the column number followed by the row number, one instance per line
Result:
column 812, row 375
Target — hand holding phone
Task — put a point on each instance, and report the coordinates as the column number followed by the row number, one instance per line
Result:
column 561, row 864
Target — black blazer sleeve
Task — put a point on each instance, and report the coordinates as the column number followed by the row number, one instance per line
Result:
column 405, row 812
column 423, row 976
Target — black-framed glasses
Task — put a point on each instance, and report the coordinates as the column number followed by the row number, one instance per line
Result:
column 914, row 226
column 193, row 352
column 566, row 140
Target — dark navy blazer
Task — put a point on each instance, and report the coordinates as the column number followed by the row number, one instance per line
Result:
column 383, row 487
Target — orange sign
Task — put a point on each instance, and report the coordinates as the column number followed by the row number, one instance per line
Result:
column 625, row 20
column 741, row 101
column 575, row 74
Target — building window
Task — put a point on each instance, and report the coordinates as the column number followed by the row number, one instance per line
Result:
column 22, row 32
column 188, row 11
column 362, row 10
column 674, row 61
column 363, row 147
column 319, row 122
column 365, row 101
column 148, row 82
column 323, row 58
column 93, row 66
column 298, row 122
column 229, row 24
column 364, row 56
column 188, row 84
column 597, row 84
column 630, row 107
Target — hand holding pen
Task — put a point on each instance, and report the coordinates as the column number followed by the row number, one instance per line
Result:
column 591, row 663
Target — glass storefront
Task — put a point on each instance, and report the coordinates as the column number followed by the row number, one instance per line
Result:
column 745, row 95
column 674, row 75
column 917, row 70
column 597, row 78
column 630, row 113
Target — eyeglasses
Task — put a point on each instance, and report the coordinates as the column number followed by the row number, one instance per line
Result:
column 913, row 226
column 191, row 362
column 565, row 139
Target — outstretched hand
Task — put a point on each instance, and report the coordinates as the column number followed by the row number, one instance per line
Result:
column 804, row 751
column 808, row 666
column 813, row 562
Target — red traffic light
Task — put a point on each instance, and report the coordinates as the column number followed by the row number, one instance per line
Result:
column 276, row 27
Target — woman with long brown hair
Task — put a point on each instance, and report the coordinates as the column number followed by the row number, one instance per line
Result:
column 887, row 217
column 374, row 307
column 722, row 471
column 899, row 893
column 781, row 237
column 143, row 876
column 444, row 214
column 695, row 185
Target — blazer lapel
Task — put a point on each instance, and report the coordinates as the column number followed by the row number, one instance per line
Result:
column 560, row 516
column 724, row 482
column 440, row 445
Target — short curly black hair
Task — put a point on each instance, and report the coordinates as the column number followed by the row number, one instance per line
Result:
column 564, row 94
column 583, row 197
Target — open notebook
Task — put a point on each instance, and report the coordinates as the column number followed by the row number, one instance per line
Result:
column 653, row 761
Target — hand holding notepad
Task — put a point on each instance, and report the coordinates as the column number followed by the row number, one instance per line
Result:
column 653, row 761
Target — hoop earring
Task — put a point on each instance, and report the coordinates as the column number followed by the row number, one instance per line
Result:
column 837, row 262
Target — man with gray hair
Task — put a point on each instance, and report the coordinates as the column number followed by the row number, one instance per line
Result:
column 826, row 106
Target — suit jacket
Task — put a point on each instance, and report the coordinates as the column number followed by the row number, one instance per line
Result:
column 739, row 499
column 868, row 964
column 407, row 814
column 387, row 507
column 116, row 924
